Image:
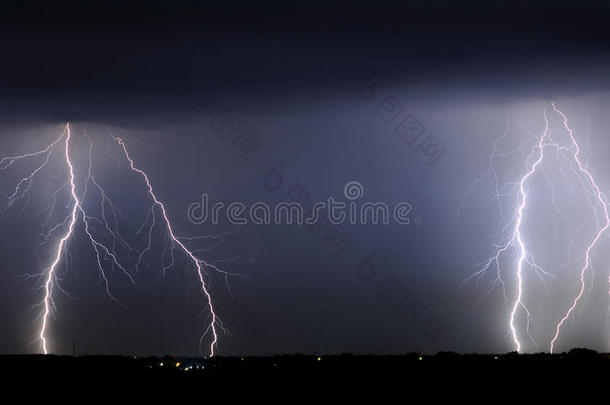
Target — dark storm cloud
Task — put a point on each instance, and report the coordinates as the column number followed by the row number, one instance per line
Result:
column 105, row 58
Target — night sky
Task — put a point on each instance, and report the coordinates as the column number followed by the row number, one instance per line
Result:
column 308, row 81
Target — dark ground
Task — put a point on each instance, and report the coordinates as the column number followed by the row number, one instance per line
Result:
column 397, row 378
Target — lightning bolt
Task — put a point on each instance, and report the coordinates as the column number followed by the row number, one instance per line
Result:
column 597, row 237
column 106, row 248
column 77, row 212
column 517, row 238
column 50, row 272
column 570, row 162
column 198, row 263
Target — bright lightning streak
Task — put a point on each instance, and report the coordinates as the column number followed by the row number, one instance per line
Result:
column 571, row 167
column 597, row 236
column 48, row 287
column 99, row 228
column 99, row 247
column 197, row 262
column 517, row 237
